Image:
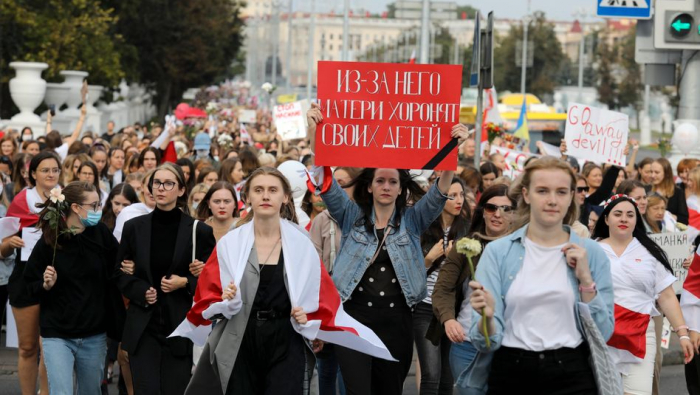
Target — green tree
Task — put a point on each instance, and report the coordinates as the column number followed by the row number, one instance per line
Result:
column 471, row 11
column 605, row 84
column 542, row 77
column 629, row 93
column 180, row 43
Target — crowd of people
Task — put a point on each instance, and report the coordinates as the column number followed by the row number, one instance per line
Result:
column 132, row 220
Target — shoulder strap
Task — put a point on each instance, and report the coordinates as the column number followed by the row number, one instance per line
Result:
column 194, row 239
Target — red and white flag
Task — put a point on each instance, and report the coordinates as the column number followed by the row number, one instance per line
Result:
column 309, row 285
column 693, row 215
column 413, row 57
column 690, row 296
column 245, row 136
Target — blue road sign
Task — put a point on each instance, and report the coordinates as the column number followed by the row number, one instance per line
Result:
column 634, row 9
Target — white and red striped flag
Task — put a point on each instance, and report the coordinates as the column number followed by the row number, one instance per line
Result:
column 693, row 216
column 309, row 285
column 413, row 57
column 690, row 296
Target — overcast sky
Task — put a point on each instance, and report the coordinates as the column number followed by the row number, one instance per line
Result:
column 554, row 9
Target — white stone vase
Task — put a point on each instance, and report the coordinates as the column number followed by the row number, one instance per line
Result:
column 56, row 94
column 94, row 93
column 27, row 90
column 74, row 81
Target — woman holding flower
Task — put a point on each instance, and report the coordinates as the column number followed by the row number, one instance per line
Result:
column 69, row 271
column 530, row 286
column 492, row 219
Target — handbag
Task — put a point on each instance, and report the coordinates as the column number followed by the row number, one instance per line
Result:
column 608, row 380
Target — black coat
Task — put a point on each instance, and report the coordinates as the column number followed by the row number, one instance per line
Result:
column 136, row 246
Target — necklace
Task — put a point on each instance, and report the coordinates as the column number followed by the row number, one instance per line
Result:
column 265, row 263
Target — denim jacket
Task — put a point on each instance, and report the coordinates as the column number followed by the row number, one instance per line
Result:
column 501, row 262
column 403, row 242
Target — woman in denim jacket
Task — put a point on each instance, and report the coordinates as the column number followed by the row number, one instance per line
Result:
column 379, row 271
column 530, row 286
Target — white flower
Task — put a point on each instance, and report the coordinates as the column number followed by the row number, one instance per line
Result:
column 468, row 247
column 681, row 227
column 56, row 196
column 211, row 107
column 224, row 139
column 267, row 87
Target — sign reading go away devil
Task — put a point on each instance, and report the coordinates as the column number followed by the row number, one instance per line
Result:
column 388, row 115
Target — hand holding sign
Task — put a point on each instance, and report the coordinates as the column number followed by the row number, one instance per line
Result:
column 596, row 135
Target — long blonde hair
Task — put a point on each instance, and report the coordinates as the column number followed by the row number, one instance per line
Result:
column 523, row 181
column 287, row 211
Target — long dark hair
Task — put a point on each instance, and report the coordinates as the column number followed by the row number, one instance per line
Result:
column 203, row 210
column 96, row 181
column 602, row 231
column 142, row 155
column 478, row 225
column 123, row 189
column 184, row 162
column 459, row 226
column 364, row 199
column 36, row 161
column 74, row 193
column 180, row 177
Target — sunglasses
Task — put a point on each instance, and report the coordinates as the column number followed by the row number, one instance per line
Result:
column 582, row 189
column 492, row 208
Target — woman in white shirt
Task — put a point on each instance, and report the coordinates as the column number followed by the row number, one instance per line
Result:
column 641, row 274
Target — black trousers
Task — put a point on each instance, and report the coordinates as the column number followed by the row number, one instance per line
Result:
column 154, row 368
column 270, row 360
column 692, row 376
column 565, row 371
column 365, row 375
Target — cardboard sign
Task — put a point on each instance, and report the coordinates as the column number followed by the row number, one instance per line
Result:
column 290, row 121
column 597, row 135
column 388, row 115
column 677, row 246
column 247, row 116
column 515, row 160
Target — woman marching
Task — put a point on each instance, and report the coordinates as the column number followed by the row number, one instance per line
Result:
column 70, row 272
column 492, row 219
column 641, row 275
column 528, row 288
column 161, row 287
column 380, row 270
column 265, row 279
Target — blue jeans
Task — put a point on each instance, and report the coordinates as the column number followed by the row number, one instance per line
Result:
column 462, row 356
column 328, row 371
column 435, row 375
column 85, row 356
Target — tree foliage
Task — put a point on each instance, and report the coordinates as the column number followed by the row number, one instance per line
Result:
column 605, row 83
column 630, row 87
column 548, row 56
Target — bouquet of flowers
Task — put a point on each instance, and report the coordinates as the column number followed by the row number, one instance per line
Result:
column 225, row 141
column 212, row 108
column 493, row 131
column 268, row 87
column 472, row 248
column 664, row 146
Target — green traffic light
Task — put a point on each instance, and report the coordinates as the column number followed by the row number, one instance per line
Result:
column 678, row 26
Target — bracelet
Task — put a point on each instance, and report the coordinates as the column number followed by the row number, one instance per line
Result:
column 684, row 337
column 680, row 327
column 590, row 289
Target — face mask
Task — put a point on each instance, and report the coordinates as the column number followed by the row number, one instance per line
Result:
column 202, row 153
column 140, row 135
column 93, row 218
column 27, row 137
column 195, row 205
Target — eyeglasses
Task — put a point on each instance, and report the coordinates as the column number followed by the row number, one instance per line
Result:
column 167, row 185
column 46, row 171
column 94, row 207
column 492, row 208
column 582, row 189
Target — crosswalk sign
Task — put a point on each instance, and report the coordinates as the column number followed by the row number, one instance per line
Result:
column 633, row 9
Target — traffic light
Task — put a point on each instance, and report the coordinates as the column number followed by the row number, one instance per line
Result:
column 677, row 24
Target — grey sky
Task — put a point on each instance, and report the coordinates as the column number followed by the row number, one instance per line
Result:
column 554, row 9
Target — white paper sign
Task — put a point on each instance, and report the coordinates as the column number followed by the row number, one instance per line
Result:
column 247, row 116
column 290, row 121
column 30, row 236
column 11, row 340
column 515, row 160
column 596, row 135
column 677, row 246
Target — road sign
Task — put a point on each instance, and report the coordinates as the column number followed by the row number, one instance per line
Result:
column 633, row 9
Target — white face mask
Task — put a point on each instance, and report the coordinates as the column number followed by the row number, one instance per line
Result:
column 202, row 153
column 140, row 135
column 195, row 205
column 27, row 137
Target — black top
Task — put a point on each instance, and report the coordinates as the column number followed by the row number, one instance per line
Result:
column 272, row 293
column 163, row 238
column 81, row 302
column 678, row 206
column 379, row 286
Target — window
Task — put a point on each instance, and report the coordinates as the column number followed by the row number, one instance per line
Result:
column 331, row 36
column 330, row 47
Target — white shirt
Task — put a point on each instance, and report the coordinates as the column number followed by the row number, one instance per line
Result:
column 539, row 306
column 62, row 151
column 129, row 212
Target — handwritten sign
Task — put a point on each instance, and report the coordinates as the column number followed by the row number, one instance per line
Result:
column 677, row 246
column 515, row 160
column 247, row 116
column 388, row 115
column 597, row 135
column 290, row 121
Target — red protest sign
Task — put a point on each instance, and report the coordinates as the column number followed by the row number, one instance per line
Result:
column 388, row 115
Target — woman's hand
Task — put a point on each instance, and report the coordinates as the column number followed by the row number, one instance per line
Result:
column 317, row 345
column 482, row 299
column 151, row 296
column 299, row 315
column 229, row 292
column 461, row 132
column 688, row 349
column 127, row 267
column 577, row 258
column 196, row 267
column 454, row 331
column 695, row 339
column 173, row 283
column 562, row 147
column 50, row 277
column 435, row 252
column 14, row 242
column 687, row 261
